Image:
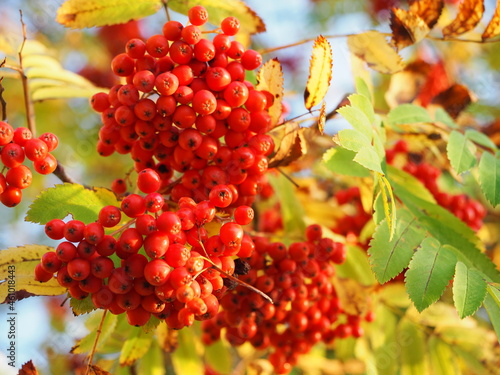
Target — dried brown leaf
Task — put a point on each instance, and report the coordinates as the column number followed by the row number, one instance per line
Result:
column 320, row 72
column 270, row 78
column 322, row 118
column 372, row 47
column 292, row 146
column 428, row 10
column 352, row 295
column 96, row 370
column 493, row 28
column 469, row 15
column 454, row 99
column 28, row 369
column 407, row 28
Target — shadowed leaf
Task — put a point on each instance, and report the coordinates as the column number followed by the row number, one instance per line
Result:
column 407, row 28
column 454, row 99
column 292, row 146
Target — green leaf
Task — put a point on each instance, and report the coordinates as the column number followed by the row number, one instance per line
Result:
column 135, row 347
column 411, row 340
column 492, row 305
column 81, row 306
column 218, row 356
column 430, row 271
column 489, row 177
column 63, row 92
column 18, row 264
column 363, row 103
column 82, row 203
column 292, row 211
column 469, row 290
column 250, row 22
column 356, row 267
column 363, row 89
column 481, row 139
column 369, row 158
column 389, row 205
column 353, row 140
column 411, row 185
column 153, row 362
column 461, row 152
column 186, row 359
column 108, row 326
column 357, row 118
column 389, row 258
column 78, row 14
column 442, row 116
column 408, row 114
column 442, row 359
column 340, row 160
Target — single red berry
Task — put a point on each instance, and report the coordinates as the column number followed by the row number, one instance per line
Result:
column 50, row 140
column 21, row 135
column 230, row 25
column 6, row 133
column 157, row 272
column 198, row 15
column 55, row 229
column 19, row 177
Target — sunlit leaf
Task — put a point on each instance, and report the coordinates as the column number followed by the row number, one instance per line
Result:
column 407, row 28
column 250, row 22
column 356, row 267
column 322, row 118
column 481, row 139
column 63, row 92
column 270, row 78
column 373, row 48
column 461, row 152
column 320, row 72
column 469, row 15
column 135, row 347
column 413, row 348
column 292, row 144
column 18, row 264
column 493, row 28
column 428, row 10
column 357, row 118
column 218, row 356
column 389, row 204
column 430, row 271
column 186, row 359
column 340, row 160
column 352, row 295
column 489, row 177
column 59, row 201
column 363, row 103
column 408, row 114
column 469, row 290
column 389, row 258
column 78, row 14
column 440, row 115
column 108, row 326
column 153, row 361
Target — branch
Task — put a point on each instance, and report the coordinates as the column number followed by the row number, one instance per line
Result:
column 98, row 333
column 3, row 103
column 61, row 174
column 30, row 110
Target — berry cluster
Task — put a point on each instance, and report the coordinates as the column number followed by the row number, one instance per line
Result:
column 351, row 225
column 187, row 112
column 15, row 146
column 465, row 208
column 166, row 265
column 306, row 308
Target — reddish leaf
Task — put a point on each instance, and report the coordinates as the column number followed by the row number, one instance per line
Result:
column 407, row 28
column 454, row 99
column 428, row 10
column 28, row 369
column 493, row 28
column 469, row 15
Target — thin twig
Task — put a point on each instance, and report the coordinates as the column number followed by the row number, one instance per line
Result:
column 30, row 110
column 288, row 177
column 165, row 5
column 98, row 333
column 3, row 103
column 61, row 174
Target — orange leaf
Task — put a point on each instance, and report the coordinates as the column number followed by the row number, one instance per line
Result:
column 322, row 118
column 407, row 28
column 28, row 369
column 96, row 370
column 320, row 72
column 428, row 10
column 493, row 28
column 454, row 99
column 469, row 15
column 270, row 78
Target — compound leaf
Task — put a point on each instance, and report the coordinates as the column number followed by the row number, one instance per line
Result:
column 389, row 258
column 320, row 72
column 59, row 201
column 461, row 152
column 489, row 177
column 469, row 290
column 430, row 271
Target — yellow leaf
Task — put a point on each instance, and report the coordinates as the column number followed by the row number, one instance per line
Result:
column 428, row 10
column 320, row 72
column 372, row 47
column 407, row 28
column 78, row 14
column 292, row 146
column 493, row 28
column 322, row 118
column 352, row 295
column 270, row 78
column 17, row 265
column 469, row 15
column 389, row 204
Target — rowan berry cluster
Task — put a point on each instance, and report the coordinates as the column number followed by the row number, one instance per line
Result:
column 462, row 206
column 306, row 308
column 187, row 112
column 16, row 146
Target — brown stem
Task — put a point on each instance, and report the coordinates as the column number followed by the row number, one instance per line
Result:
column 61, row 174
column 98, row 333
column 28, row 103
column 165, row 5
column 3, row 103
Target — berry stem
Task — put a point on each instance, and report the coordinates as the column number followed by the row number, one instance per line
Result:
column 28, row 103
column 123, row 227
column 98, row 334
column 165, row 5
column 60, row 173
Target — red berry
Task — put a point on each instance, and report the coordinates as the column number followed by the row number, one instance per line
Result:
column 198, row 15
column 230, row 25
